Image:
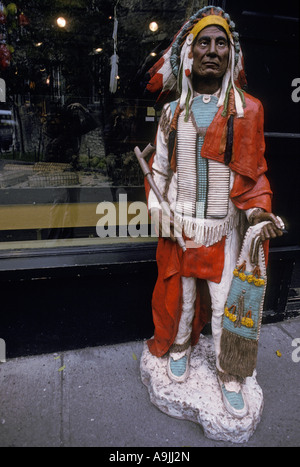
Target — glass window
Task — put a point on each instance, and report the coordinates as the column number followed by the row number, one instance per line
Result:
column 70, row 119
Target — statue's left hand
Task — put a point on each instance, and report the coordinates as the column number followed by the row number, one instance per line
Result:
column 273, row 229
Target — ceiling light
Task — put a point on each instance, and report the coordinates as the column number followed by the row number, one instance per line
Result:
column 153, row 26
column 61, row 22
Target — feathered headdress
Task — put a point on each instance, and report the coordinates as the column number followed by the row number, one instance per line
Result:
column 172, row 73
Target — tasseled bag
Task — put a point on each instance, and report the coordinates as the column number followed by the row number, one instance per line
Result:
column 243, row 310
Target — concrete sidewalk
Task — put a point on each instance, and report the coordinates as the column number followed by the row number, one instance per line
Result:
column 95, row 397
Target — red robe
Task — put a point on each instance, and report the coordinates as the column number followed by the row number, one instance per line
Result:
column 251, row 189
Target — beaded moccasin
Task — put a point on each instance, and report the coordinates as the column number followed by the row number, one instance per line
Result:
column 179, row 363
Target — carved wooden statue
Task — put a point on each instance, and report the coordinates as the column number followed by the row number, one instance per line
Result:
column 209, row 166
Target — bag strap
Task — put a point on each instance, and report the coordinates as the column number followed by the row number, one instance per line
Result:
column 254, row 249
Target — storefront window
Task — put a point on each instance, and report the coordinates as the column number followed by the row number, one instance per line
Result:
column 70, row 119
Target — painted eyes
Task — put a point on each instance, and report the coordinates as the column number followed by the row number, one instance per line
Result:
column 204, row 44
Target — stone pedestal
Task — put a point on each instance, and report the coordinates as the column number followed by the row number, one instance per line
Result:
column 199, row 399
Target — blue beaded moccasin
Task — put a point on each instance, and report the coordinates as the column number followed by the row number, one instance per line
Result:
column 179, row 365
column 234, row 399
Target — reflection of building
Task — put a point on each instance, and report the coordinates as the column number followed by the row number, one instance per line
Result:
column 65, row 130
column 58, row 85
column 2, row 90
column 7, row 128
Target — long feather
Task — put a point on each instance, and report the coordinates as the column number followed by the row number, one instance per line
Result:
column 114, row 60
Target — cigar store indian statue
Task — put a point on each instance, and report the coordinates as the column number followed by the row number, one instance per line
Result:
column 209, row 166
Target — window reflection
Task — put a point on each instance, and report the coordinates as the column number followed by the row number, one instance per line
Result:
column 59, row 161
column 67, row 140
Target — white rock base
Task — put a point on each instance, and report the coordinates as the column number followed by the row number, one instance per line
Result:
column 199, row 399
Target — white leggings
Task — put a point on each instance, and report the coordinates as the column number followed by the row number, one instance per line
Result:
column 218, row 292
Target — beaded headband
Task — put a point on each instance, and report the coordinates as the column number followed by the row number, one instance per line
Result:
column 212, row 20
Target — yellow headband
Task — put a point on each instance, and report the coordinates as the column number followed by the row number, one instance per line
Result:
column 211, row 20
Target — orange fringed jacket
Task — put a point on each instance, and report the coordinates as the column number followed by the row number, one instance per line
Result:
column 251, row 189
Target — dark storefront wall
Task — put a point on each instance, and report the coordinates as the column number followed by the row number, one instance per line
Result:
column 270, row 41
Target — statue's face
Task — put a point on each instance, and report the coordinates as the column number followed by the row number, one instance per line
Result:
column 210, row 53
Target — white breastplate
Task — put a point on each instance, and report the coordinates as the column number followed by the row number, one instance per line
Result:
column 220, row 214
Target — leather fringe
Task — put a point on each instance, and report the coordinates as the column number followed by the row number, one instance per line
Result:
column 238, row 355
column 173, row 143
column 226, row 378
column 209, row 233
column 176, row 348
column 229, row 143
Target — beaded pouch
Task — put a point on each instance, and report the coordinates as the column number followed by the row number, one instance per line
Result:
column 244, row 307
